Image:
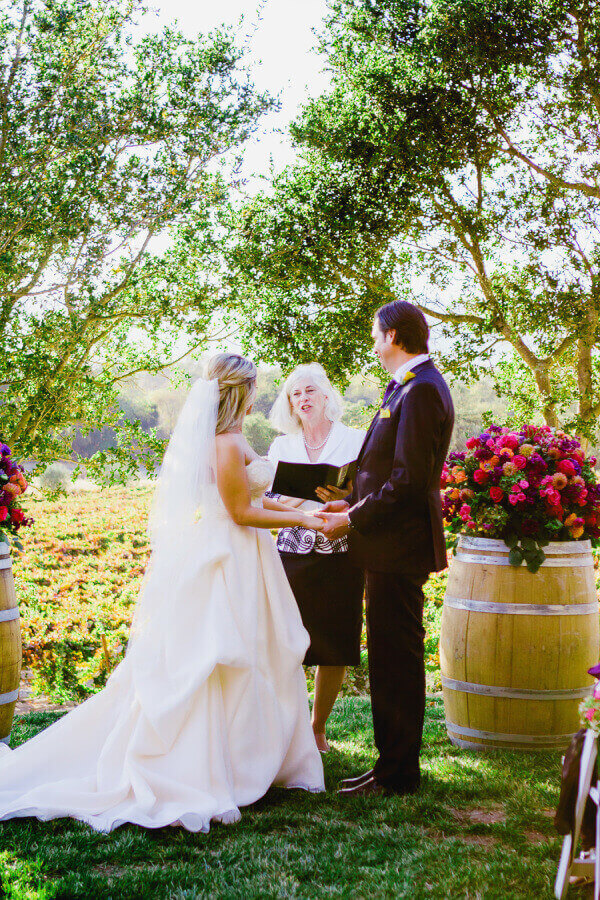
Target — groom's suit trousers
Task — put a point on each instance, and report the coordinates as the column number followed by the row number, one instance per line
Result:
column 395, row 639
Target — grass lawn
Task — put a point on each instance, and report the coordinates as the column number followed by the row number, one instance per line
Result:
column 480, row 828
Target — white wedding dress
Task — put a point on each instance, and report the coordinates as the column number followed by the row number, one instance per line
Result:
column 208, row 709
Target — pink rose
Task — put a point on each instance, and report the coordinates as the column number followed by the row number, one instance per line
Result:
column 465, row 511
column 472, row 443
column 566, row 467
column 3, row 513
column 589, row 714
column 509, row 440
column 480, row 476
column 524, row 484
column 519, row 461
column 513, row 498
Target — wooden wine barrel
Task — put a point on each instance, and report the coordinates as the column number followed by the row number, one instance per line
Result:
column 10, row 644
column 515, row 647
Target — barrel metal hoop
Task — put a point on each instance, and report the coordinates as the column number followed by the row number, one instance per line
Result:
column 559, row 548
column 6, row 563
column 524, row 609
column 8, row 615
column 564, row 562
column 492, row 690
column 541, row 740
column 522, row 748
column 10, row 697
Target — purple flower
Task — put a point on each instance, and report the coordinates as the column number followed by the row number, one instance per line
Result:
column 4, row 450
column 536, row 465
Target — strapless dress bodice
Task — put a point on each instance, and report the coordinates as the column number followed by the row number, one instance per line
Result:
column 260, row 474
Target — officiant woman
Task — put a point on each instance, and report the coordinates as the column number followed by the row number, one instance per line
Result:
column 327, row 587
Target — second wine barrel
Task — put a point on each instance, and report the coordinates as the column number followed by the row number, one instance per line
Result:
column 10, row 644
column 515, row 646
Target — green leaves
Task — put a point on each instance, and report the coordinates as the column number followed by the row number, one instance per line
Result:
column 529, row 550
column 515, row 557
column 431, row 158
column 106, row 145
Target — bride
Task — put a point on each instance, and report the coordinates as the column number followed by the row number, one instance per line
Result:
column 209, row 707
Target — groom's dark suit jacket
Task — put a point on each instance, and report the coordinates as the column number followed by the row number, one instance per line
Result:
column 397, row 515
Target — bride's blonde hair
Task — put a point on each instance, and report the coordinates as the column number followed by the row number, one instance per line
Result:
column 237, row 388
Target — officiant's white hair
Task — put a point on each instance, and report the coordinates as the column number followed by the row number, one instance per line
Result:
column 281, row 416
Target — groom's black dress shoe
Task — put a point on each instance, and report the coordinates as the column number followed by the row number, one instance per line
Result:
column 353, row 782
column 368, row 788
column 372, row 788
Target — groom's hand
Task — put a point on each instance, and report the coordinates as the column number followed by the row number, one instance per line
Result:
column 336, row 524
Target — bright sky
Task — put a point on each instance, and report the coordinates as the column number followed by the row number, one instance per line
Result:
column 279, row 39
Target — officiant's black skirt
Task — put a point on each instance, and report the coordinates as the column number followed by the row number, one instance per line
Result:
column 329, row 593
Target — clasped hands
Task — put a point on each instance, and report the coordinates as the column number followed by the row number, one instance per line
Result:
column 333, row 515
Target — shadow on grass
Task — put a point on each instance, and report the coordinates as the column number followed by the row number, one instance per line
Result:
column 480, row 827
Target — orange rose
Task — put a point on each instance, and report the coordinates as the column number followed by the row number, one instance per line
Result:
column 576, row 532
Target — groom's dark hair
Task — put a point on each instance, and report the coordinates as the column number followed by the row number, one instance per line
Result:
column 409, row 323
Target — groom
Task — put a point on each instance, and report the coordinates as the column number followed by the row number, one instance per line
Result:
column 394, row 524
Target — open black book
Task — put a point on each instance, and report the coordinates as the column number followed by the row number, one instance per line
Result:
column 302, row 479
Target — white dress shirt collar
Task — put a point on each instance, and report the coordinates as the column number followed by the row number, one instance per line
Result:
column 407, row 366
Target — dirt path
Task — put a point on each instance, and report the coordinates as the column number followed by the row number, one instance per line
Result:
column 28, row 704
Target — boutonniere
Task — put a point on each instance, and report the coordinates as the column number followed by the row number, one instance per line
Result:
column 408, row 376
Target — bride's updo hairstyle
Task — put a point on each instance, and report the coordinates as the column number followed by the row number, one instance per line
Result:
column 236, row 376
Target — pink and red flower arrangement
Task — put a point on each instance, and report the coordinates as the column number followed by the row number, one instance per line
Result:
column 12, row 484
column 527, row 487
column 589, row 709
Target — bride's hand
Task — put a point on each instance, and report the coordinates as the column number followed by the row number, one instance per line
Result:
column 312, row 522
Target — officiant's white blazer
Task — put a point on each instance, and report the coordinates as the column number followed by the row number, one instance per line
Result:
column 343, row 445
